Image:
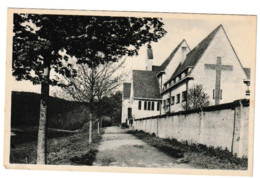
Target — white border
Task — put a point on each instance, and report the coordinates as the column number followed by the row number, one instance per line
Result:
column 198, row 6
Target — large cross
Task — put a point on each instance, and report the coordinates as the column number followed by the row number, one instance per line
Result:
column 218, row 67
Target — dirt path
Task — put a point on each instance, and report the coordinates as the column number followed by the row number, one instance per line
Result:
column 118, row 148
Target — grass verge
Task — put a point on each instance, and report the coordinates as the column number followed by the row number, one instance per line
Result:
column 197, row 155
column 67, row 150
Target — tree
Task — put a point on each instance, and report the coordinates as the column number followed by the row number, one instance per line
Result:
column 39, row 39
column 92, row 84
column 196, row 98
column 111, row 106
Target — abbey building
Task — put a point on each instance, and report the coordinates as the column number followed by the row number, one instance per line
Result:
column 213, row 63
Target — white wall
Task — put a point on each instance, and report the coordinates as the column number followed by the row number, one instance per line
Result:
column 232, row 84
column 177, row 106
column 212, row 128
column 137, row 114
column 125, row 104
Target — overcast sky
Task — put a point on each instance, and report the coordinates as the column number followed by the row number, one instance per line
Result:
column 239, row 29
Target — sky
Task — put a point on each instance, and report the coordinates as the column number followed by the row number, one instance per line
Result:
column 240, row 30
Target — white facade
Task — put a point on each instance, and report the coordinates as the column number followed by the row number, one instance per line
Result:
column 141, row 112
column 232, row 85
column 125, row 105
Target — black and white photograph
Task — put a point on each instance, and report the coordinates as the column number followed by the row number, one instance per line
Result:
column 119, row 91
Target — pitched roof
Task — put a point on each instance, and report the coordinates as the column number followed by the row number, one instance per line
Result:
column 126, row 90
column 248, row 72
column 194, row 55
column 145, row 84
column 168, row 60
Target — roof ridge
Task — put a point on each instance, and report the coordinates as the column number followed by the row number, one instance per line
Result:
column 213, row 33
column 195, row 54
column 170, row 57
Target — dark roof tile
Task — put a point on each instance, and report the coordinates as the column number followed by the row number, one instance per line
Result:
column 248, row 72
column 126, row 90
column 145, row 84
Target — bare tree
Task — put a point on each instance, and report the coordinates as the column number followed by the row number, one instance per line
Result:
column 93, row 83
column 196, row 98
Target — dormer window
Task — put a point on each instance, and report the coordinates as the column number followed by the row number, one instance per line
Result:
column 183, row 74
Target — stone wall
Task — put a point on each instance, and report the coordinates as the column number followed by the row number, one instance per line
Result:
column 224, row 126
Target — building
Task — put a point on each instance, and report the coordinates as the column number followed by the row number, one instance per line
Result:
column 213, row 63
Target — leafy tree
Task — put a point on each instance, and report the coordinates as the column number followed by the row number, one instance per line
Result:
column 39, row 40
column 111, row 106
column 196, row 98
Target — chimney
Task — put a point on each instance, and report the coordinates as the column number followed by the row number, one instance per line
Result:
column 149, row 59
column 184, row 52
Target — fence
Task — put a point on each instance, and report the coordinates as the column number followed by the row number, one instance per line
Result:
column 224, row 126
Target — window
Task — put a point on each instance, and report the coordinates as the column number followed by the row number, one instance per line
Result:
column 221, row 94
column 247, row 92
column 178, row 98
column 158, row 106
column 183, row 75
column 149, row 105
column 153, row 106
column 213, row 93
column 168, row 101
column 164, row 103
column 145, row 105
column 173, row 98
column 184, row 96
column 140, row 105
column 129, row 112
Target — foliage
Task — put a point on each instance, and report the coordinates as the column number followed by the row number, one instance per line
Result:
column 63, row 114
column 110, row 106
column 196, row 98
column 42, row 40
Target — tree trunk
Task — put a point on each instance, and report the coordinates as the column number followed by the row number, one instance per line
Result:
column 90, row 128
column 98, row 131
column 42, row 146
